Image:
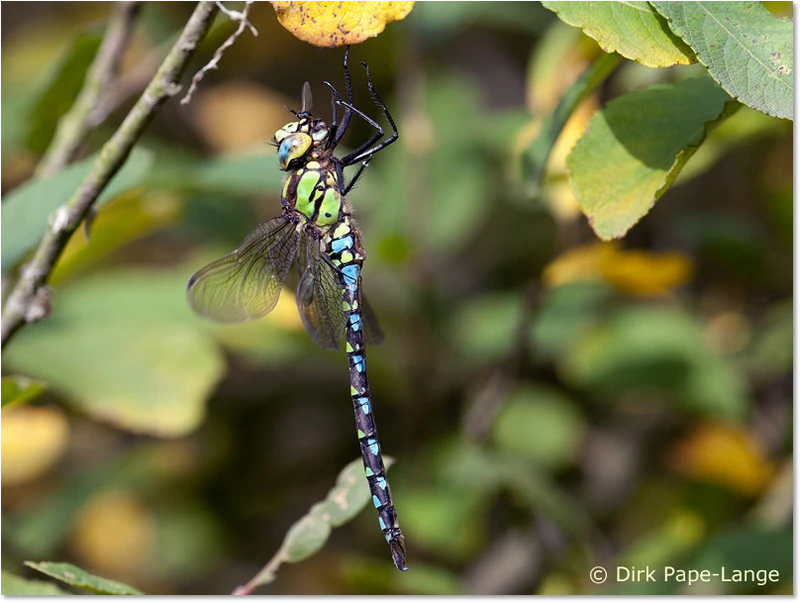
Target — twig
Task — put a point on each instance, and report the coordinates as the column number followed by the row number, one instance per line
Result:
column 64, row 221
column 73, row 127
column 241, row 18
column 265, row 575
column 127, row 85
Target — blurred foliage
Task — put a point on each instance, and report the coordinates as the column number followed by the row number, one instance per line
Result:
column 81, row 579
column 553, row 403
column 19, row 389
column 17, row 586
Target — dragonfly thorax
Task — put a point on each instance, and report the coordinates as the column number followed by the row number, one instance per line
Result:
column 296, row 139
column 313, row 191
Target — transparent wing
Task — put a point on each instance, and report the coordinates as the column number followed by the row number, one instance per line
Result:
column 246, row 284
column 372, row 328
column 319, row 297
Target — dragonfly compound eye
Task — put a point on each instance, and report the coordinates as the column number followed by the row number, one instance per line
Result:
column 293, row 147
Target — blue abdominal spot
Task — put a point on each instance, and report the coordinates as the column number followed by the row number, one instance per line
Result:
column 339, row 245
column 351, row 272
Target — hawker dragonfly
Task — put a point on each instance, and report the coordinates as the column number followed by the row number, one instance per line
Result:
column 316, row 233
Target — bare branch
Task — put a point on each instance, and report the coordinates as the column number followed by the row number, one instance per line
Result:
column 241, row 18
column 64, row 221
column 73, row 127
column 128, row 85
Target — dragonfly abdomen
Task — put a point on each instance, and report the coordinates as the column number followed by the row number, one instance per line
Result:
column 365, row 423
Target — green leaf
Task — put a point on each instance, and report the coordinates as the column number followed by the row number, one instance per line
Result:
column 451, row 190
column 771, row 353
column 537, row 155
column 447, row 520
column 544, row 496
column 746, row 548
column 741, row 129
column 19, row 389
column 14, row 111
column 350, row 494
column 125, row 348
column 566, row 312
column 652, row 351
column 13, row 585
column 460, row 178
column 746, row 50
column 429, row 580
column 26, row 208
column 634, row 149
column 540, row 425
column 667, row 542
column 633, row 29
column 485, row 328
column 77, row 577
column 307, row 536
column 190, row 538
column 242, row 174
column 440, row 20
column 62, row 90
column 128, row 217
column 469, row 468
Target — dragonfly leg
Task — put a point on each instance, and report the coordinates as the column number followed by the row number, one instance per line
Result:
column 338, row 128
column 368, row 156
column 366, row 150
column 355, row 177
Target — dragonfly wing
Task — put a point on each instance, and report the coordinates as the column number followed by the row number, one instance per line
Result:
column 372, row 328
column 319, row 297
column 246, row 284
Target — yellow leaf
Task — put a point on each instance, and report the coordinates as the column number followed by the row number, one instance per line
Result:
column 330, row 24
column 33, row 439
column 633, row 272
column 115, row 535
column 724, row 454
column 580, row 263
column 647, row 274
column 126, row 218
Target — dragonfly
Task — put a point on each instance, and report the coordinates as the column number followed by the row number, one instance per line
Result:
column 315, row 233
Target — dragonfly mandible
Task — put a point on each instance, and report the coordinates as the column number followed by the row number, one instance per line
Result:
column 317, row 233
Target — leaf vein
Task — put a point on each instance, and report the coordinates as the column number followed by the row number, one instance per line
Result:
column 742, row 46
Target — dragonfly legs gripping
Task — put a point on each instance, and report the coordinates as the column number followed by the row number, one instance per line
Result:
column 364, row 153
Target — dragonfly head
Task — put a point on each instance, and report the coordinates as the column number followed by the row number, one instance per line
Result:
column 296, row 139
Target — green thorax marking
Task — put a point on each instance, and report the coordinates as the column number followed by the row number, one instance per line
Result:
column 316, row 194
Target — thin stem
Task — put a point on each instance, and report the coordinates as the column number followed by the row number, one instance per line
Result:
column 75, row 125
column 265, row 575
column 241, row 17
column 24, row 303
column 128, row 85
